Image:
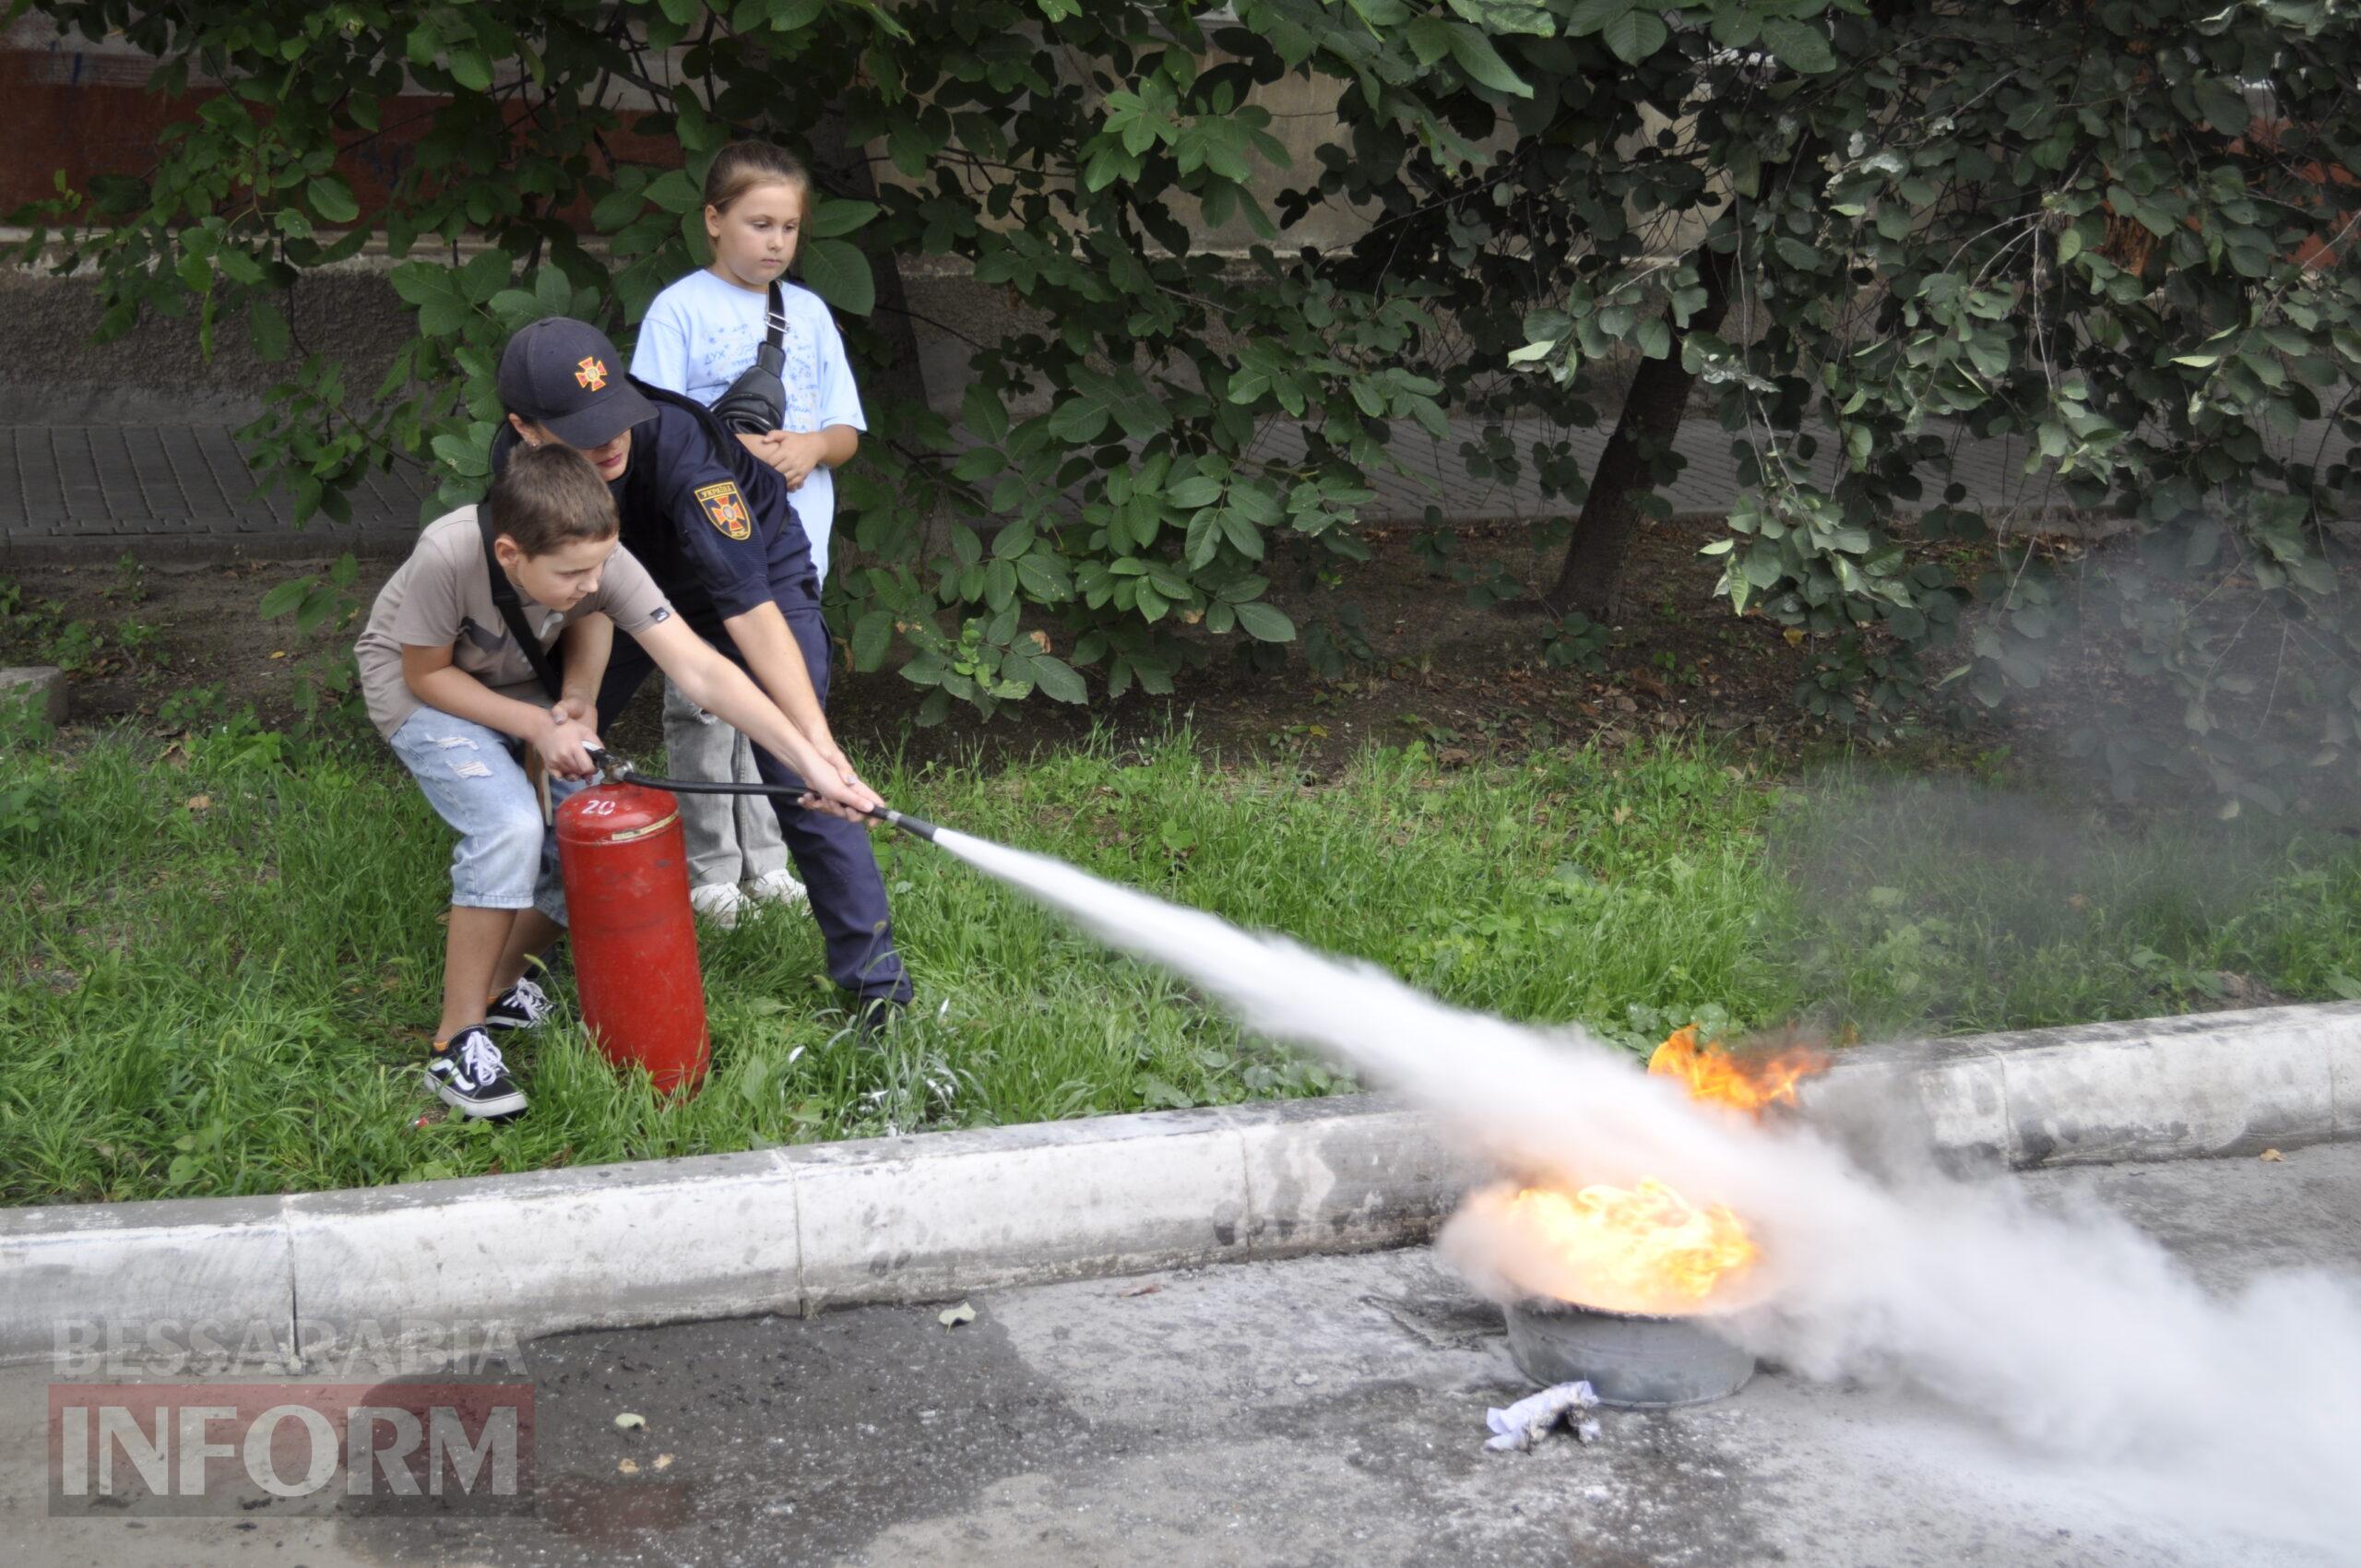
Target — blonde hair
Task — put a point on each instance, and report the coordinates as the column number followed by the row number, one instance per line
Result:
column 743, row 165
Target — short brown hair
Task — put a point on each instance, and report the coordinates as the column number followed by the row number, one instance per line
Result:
column 550, row 496
column 741, row 166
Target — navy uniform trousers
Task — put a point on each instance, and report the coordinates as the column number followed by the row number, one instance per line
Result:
column 833, row 856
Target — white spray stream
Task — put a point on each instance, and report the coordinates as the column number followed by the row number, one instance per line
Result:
column 2073, row 1331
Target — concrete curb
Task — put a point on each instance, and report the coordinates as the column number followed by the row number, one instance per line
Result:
column 933, row 1216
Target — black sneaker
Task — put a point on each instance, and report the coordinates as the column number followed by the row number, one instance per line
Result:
column 467, row 1074
column 876, row 1018
column 521, row 1006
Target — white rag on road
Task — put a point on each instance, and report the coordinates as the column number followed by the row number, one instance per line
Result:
column 1529, row 1419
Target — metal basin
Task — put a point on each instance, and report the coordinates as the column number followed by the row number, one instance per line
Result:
column 1631, row 1362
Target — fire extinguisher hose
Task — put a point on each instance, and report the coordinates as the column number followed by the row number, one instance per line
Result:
column 620, row 771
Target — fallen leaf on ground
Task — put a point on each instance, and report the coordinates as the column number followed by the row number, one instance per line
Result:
column 663, row 1461
column 627, row 1467
column 630, row 1422
column 201, row 802
column 952, row 1317
column 2273, row 1155
column 1148, row 1289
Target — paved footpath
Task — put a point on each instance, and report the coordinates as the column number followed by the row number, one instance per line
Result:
column 1311, row 1412
column 89, row 493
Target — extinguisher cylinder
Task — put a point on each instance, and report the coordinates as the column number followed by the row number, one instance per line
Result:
column 626, row 872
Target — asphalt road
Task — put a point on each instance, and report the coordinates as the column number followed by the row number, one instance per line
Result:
column 1327, row 1410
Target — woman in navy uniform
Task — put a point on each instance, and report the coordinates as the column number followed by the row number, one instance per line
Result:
column 712, row 524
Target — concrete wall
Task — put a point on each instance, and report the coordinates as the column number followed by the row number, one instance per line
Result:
column 157, row 374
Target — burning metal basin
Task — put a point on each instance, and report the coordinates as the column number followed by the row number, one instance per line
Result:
column 1632, row 1361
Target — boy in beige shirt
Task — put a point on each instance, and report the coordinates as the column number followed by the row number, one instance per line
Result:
column 458, row 699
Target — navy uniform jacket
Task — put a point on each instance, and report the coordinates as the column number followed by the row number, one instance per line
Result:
column 709, row 520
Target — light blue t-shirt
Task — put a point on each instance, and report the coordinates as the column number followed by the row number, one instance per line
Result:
column 701, row 332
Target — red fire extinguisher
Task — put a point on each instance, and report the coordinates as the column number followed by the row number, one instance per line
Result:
column 626, row 872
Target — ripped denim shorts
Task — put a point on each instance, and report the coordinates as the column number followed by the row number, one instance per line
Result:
column 474, row 781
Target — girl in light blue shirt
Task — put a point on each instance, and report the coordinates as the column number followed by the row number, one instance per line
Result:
column 700, row 332
column 697, row 336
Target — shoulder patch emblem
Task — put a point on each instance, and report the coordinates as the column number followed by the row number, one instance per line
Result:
column 726, row 509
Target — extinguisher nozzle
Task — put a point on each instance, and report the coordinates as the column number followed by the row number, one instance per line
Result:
column 918, row 827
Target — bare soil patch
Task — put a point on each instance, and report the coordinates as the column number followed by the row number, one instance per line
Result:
column 1463, row 678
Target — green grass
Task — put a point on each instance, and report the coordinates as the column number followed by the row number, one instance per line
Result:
column 231, row 999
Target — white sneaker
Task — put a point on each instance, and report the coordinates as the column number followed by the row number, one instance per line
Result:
column 776, row 887
column 718, row 902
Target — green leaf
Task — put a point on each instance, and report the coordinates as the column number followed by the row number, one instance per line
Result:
column 984, row 414
column 1077, row 419
column 675, row 192
column 470, row 69
column 1635, row 35
column 284, row 598
column 1058, row 680
column 483, row 276
column 1044, row 576
column 1590, row 16
column 1799, row 46
column 1197, row 489
column 2223, row 106
column 618, row 208
column 332, row 199
column 871, row 635
column 1474, row 54
column 836, row 219
column 419, row 282
column 999, row 584
column 1265, row 624
column 464, row 455
column 1507, row 16
column 838, row 273
column 978, row 463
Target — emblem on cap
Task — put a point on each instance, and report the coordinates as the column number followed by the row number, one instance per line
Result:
column 590, row 372
column 726, row 509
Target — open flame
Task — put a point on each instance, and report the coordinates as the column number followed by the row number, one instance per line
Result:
column 1747, row 1080
column 1643, row 1249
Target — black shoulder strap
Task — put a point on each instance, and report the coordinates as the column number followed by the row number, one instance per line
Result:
column 512, row 609
column 772, row 355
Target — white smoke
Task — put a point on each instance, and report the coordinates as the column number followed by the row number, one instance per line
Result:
column 2072, row 1330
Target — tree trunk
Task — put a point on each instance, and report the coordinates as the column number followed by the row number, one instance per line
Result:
column 1591, row 580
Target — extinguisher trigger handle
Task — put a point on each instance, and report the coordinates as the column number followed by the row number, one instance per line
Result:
column 611, row 767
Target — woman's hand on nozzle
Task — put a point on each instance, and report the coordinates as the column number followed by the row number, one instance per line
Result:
column 840, row 793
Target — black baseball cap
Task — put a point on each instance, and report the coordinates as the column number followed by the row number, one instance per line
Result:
column 564, row 375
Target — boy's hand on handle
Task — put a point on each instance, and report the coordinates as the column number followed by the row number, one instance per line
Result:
column 565, row 745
